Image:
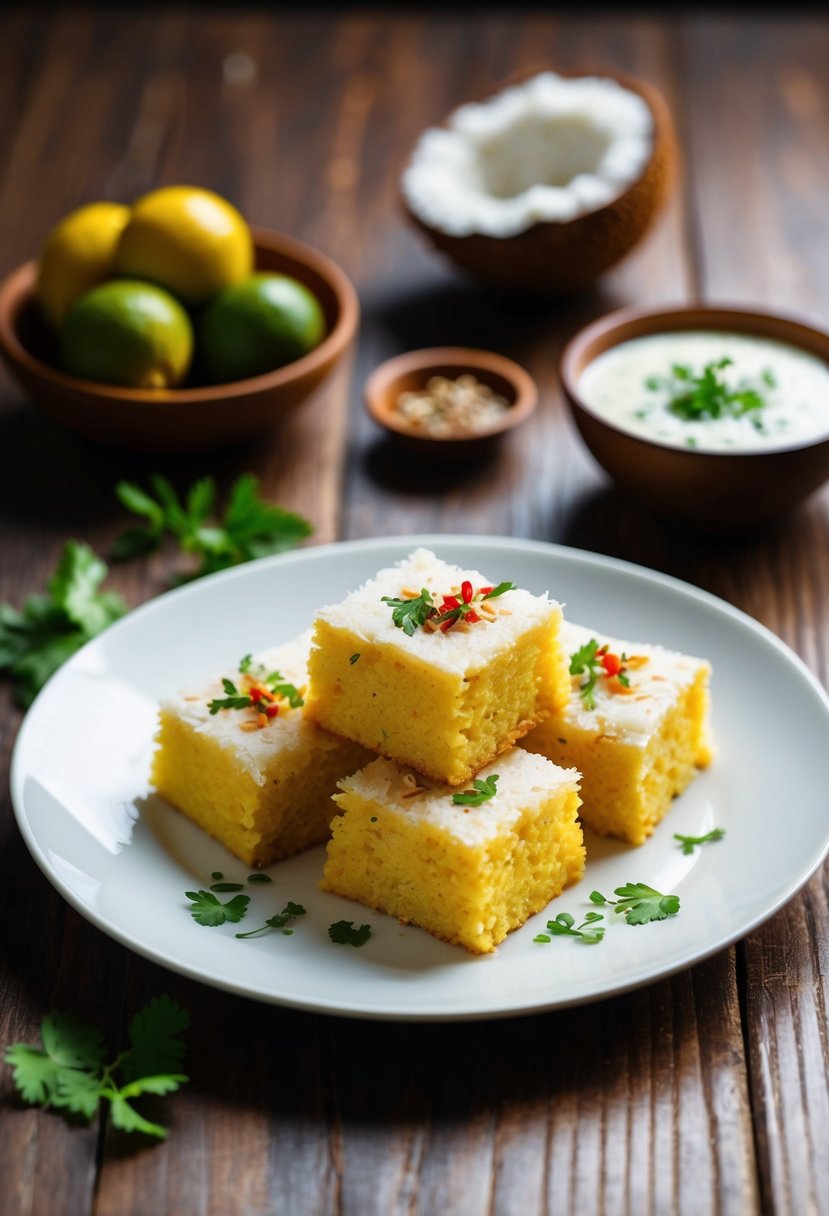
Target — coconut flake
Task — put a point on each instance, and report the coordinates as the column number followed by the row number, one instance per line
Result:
column 549, row 150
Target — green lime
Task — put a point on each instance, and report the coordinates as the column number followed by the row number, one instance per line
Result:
column 128, row 333
column 258, row 325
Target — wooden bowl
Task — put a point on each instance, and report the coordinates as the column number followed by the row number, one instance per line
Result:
column 411, row 373
column 172, row 420
column 714, row 492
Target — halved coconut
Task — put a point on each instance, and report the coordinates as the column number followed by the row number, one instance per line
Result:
column 547, row 184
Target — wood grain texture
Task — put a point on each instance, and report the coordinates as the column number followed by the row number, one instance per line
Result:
column 705, row 1093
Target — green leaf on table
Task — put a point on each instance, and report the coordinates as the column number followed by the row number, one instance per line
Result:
column 249, row 528
column 50, row 627
column 155, row 1045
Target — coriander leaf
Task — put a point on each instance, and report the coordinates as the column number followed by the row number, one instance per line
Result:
column 78, row 1092
column 585, row 662
column 707, row 395
column 227, row 886
column 639, row 903
column 277, row 684
column 233, row 700
column 343, row 933
column 481, row 792
column 690, row 842
column 35, row 1074
column 165, row 1083
column 71, row 1043
column 127, row 1119
column 154, row 1043
column 250, row 527
column 244, row 664
column 410, row 615
column 279, row 921
column 259, row 877
column 209, row 911
column 353, row 659
column 564, row 925
column 37, row 639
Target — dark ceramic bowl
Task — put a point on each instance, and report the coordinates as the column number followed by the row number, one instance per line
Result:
column 411, row 373
column 715, row 492
column 178, row 419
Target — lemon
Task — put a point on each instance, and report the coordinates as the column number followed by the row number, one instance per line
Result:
column 78, row 253
column 256, row 326
column 188, row 240
column 128, row 333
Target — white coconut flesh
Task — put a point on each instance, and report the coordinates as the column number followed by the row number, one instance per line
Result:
column 549, row 150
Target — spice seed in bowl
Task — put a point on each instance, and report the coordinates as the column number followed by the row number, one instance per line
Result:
column 450, row 408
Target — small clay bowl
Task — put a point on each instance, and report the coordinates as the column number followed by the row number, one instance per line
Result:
column 411, row 373
column 175, row 420
column 713, row 492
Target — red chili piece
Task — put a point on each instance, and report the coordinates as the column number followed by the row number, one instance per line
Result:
column 612, row 664
column 467, row 592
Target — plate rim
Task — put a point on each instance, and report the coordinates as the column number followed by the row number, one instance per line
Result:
column 352, row 1009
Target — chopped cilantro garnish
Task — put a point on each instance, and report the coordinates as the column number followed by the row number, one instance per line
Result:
column 690, row 842
column 244, row 664
column 481, row 792
column 209, row 911
column 353, row 659
column 592, row 661
column 233, row 700
column 708, row 396
column 224, row 887
column 639, row 903
column 217, row 874
column 68, row 1071
column 249, row 528
column 50, row 627
column 259, row 877
column 343, row 933
column 565, row 925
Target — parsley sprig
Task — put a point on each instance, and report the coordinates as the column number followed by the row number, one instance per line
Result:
column 481, row 792
column 593, row 661
column 639, row 903
column 564, row 925
column 50, row 627
column 249, row 527
column 695, row 398
column 68, row 1071
column 689, row 843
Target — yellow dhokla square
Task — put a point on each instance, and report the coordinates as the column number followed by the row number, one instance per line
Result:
column 467, row 874
column 443, row 696
column 638, row 740
column 260, row 785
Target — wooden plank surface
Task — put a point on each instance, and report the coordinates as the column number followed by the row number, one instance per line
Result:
column 647, row 1103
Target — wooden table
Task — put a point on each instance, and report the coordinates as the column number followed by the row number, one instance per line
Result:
column 704, row 1093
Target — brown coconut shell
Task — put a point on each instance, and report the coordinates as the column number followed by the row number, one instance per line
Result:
column 554, row 258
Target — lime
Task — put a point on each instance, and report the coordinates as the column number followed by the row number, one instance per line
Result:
column 188, row 240
column 128, row 333
column 78, row 253
column 259, row 325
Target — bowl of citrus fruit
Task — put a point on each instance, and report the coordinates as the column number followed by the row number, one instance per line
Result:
column 172, row 324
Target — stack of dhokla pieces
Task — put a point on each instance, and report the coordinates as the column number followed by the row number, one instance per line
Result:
column 440, row 672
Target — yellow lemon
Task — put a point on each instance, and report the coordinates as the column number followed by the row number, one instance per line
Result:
column 78, row 253
column 128, row 333
column 188, row 240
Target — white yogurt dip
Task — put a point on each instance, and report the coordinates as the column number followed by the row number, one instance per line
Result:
column 619, row 386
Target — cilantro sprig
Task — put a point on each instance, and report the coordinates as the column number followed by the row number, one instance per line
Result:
column 280, row 921
column 594, row 661
column 36, row 639
column 481, row 792
column 249, row 528
column 412, row 614
column 68, row 1072
column 695, row 398
column 344, row 933
column 639, row 903
column 689, row 843
column 564, row 925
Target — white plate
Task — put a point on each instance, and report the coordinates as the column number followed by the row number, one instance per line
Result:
column 123, row 858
